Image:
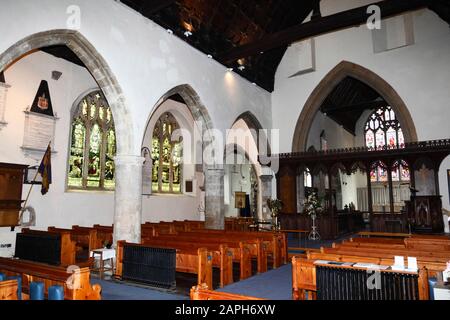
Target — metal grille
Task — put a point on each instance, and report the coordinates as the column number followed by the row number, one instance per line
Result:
column 355, row 284
column 152, row 266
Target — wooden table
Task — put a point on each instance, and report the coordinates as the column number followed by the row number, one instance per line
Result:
column 104, row 255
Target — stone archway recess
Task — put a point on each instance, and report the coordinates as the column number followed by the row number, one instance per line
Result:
column 214, row 174
column 266, row 177
column 331, row 80
column 128, row 196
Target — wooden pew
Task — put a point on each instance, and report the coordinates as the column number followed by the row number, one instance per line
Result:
column 242, row 251
column 8, row 290
column 201, row 292
column 439, row 256
column 278, row 241
column 197, row 261
column 304, row 273
column 76, row 285
column 222, row 255
column 104, row 234
column 68, row 247
column 85, row 240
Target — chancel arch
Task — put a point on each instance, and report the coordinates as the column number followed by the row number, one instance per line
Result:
column 342, row 71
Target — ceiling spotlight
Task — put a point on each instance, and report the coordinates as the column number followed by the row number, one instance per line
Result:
column 187, row 34
column 253, row 83
column 169, row 31
column 209, row 56
column 241, row 68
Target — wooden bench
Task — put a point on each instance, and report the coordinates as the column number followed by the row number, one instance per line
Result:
column 8, row 290
column 278, row 242
column 75, row 281
column 257, row 249
column 222, row 255
column 196, row 261
column 85, row 240
column 304, row 275
column 371, row 234
column 201, row 292
column 104, row 235
column 67, row 246
column 439, row 256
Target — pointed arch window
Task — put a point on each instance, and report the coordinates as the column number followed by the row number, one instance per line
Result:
column 92, row 145
column 383, row 130
column 167, row 156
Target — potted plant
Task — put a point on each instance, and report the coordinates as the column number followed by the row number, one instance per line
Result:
column 313, row 207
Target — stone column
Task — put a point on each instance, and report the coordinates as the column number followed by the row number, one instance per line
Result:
column 214, row 193
column 266, row 193
column 128, row 198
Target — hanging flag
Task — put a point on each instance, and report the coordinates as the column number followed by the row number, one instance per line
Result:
column 45, row 170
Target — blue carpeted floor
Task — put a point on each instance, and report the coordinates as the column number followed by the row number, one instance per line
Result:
column 273, row 285
column 118, row 291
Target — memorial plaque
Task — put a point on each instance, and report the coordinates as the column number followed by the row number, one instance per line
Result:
column 3, row 93
column 39, row 131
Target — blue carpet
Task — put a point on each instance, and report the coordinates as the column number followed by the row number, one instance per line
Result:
column 118, row 291
column 273, row 285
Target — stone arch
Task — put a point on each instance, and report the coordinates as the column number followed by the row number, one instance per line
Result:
column 326, row 86
column 195, row 105
column 254, row 124
column 235, row 149
column 95, row 64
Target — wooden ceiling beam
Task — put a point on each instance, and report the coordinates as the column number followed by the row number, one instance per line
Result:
column 319, row 26
column 373, row 104
column 149, row 8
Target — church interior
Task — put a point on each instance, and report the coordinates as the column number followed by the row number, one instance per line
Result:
column 225, row 150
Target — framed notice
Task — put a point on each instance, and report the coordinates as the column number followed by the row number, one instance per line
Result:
column 239, row 200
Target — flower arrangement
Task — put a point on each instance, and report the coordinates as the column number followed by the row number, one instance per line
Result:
column 312, row 205
column 274, row 205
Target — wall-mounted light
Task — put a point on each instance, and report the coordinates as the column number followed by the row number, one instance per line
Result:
column 169, row 31
column 230, row 69
column 209, row 56
column 187, row 34
column 241, row 68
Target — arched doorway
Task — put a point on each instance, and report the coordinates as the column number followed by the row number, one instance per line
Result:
column 327, row 85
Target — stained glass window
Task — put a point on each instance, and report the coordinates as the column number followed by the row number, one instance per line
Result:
column 92, row 146
column 383, row 130
column 167, row 156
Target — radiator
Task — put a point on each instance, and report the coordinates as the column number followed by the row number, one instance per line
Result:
column 334, row 283
column 152, row 266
